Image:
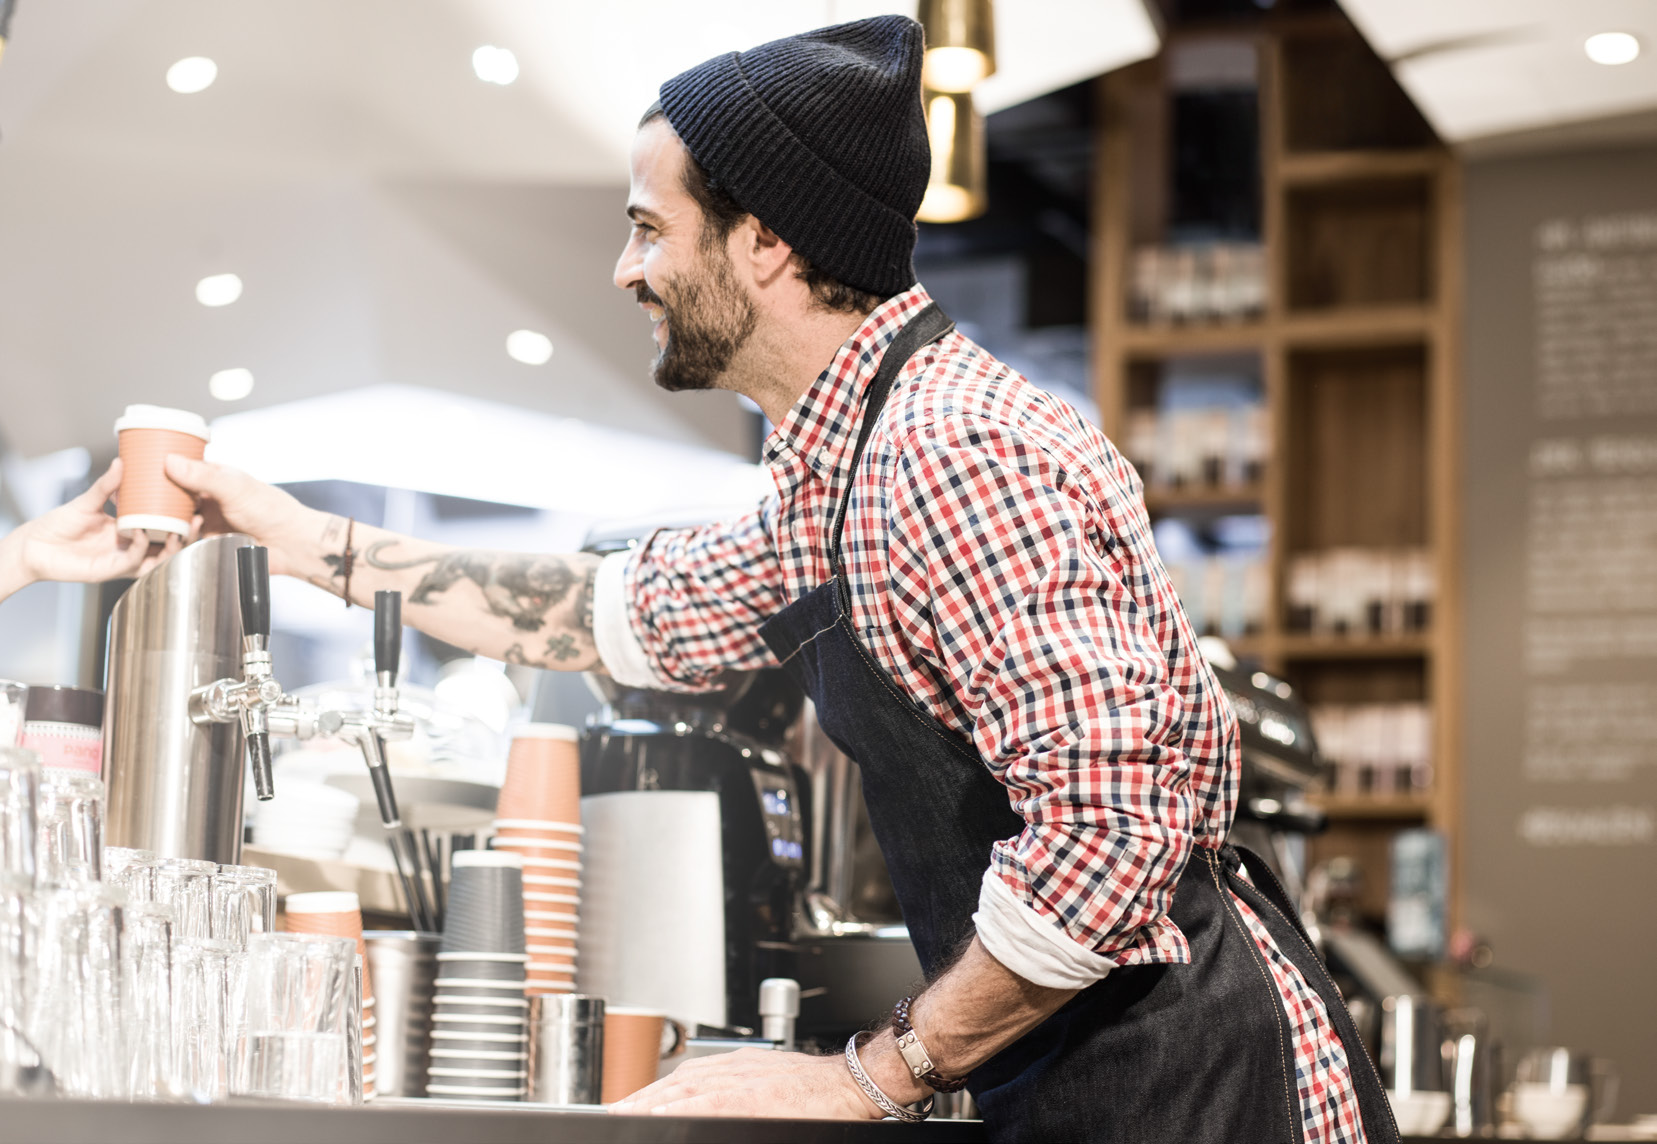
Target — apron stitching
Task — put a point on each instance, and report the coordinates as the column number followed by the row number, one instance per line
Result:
column 1271, row 987
column 1318, row 961
column 801, row 646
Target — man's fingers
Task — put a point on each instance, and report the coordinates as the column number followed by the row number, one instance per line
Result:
column 200, row 477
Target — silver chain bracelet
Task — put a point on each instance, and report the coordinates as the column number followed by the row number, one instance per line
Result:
column 887, row 1105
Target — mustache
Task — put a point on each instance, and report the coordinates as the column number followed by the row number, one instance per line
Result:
column 645, row 294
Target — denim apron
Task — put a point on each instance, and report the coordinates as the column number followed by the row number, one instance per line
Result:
column 1187, row 1054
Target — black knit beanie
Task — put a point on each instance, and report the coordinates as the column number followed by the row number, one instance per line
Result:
column 821, row 137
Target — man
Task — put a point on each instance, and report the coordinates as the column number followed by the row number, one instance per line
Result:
column 960, row 570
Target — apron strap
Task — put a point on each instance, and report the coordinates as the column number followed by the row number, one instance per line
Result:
column 919, row 332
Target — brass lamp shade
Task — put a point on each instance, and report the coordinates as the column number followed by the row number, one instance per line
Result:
column 958, row 187
column 960, row 43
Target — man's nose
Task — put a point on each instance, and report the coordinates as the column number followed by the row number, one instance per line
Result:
column 630, row 266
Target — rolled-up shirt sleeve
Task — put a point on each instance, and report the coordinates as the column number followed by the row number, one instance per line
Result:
column 687, row 604
column 1032, row 618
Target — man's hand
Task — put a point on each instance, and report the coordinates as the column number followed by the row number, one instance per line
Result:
column 755, row 1082
column 232, row 501
column 78, row 541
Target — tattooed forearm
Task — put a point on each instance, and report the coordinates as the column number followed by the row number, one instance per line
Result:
column 522, row 589
column 525, row 609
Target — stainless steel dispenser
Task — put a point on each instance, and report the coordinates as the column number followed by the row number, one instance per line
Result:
column 189, row 683
column 175, row 785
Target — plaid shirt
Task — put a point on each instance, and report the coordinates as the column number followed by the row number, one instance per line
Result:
column 1001, row 569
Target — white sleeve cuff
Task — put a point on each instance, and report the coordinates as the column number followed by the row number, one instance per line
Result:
column 618, row 645
column 1029, row 944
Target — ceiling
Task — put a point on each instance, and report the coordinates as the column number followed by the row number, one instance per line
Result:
column 392, row 217
column 1489, row 70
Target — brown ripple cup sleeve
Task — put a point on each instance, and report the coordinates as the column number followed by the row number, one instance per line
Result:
column 543, row 775
column 632, row 1051
column 148, row 501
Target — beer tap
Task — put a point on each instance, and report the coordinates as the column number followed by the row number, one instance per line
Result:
column 370, row 730
column 256, row 700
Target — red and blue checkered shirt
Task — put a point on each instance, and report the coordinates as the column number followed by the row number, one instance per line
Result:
column 1001, row 569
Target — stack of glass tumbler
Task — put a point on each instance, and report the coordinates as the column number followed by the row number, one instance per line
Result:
column 128, row 976
column 479, row 1021
column 538, row 816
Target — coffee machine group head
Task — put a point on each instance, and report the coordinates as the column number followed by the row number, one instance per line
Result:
column 189, row 686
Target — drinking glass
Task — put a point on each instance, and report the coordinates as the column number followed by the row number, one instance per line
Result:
column 186, row 885
column 12, row 697
column 146, row 997
column 74, row 988
column 297, row 1016
column 201, row 971
column 19, row 1058
column 71, row 828
column 243, row 903
column 132, row 871
column 19, row 811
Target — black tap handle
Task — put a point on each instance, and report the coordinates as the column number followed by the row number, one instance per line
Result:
column 384, row 795
column 258, row 753
column 388, row 632
column 253, row 578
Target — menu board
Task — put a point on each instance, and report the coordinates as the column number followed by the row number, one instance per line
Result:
column 1560, row 583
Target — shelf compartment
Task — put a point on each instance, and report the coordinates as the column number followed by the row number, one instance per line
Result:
column 1339, row 95
column 1402, row 808
column 1356, row 452
column 1361, row 243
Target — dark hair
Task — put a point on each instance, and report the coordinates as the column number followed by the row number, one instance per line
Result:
column 721, row 214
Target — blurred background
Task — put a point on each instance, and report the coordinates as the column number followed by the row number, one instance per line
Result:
column 1366, row 290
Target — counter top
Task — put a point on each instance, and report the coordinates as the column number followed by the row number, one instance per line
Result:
column 431, row 1122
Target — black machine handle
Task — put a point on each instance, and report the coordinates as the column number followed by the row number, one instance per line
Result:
column 253, row 578
column 258, row 754
column 384, row 795
column 388, row 632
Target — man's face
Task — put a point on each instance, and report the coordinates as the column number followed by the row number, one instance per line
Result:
column 683, row 281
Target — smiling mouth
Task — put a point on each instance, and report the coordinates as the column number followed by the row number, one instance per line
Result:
column 652, row 311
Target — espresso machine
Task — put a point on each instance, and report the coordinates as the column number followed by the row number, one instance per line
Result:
column 189, row 690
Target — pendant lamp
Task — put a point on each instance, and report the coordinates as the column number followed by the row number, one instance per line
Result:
column 960, row 43
column 957, row 188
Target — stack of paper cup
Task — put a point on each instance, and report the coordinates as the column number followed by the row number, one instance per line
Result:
column 539, row 818
column 480, row 1014
column 338, row 913
column 148, row 500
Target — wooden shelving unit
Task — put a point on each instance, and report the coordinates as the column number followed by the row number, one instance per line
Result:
column 1357, row 348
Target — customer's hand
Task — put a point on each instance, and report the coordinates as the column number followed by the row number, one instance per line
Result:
column 755, row 1082
column 231, row 501
column 78, row 541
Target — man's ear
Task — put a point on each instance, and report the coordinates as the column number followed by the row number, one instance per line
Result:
column 764, row 249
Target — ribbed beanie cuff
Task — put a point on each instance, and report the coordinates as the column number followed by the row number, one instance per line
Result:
column 821, row 137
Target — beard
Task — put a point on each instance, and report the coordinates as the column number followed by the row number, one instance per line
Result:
column 708, row 318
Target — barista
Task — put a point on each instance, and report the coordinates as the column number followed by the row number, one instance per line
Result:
column 77, row 541
column 959, row 568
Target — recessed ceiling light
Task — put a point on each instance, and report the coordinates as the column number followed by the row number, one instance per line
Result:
column 1612, row 48
column 231, row 384
column 529, row 347
column 218, row 289
column 192, row 74
column 495, row 65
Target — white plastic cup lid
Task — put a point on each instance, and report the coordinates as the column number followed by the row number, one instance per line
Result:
column 546, row 731
column 161, row 417
column 324, row 902
column 488, row 858
column 462, row 955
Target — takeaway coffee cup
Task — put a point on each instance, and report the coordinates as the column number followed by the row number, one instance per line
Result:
column 636, row 1041
column 147, row 500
